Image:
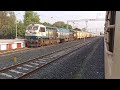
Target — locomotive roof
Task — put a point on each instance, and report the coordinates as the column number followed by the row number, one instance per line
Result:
column 37, row 25
column 50, row 27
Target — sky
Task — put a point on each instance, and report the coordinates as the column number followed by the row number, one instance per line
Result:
column 45, row 16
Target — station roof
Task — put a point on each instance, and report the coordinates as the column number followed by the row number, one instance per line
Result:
column 10, row 40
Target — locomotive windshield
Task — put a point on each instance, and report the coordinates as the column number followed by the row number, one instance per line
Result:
column 32, row 28
column 29, row 27
column 35, row 27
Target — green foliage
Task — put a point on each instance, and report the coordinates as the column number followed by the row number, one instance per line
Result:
column 31, row 17
column 35, row 18
column 28, row 17
column 21, row 29
column 77, row 29
column 83, row 29
column 7, row 22
column 61, row 24
column 46, row 24
column 69, row 26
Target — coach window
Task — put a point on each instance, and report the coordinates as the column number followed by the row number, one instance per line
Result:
column 42, row 29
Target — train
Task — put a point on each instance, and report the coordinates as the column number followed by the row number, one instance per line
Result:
column 112, row 45
column 39, row 35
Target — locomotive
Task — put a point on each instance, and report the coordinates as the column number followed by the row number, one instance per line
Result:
column 39, row 35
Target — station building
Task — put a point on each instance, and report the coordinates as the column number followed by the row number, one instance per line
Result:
column 9, row 44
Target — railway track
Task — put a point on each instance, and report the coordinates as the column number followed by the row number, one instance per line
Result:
column 24, row 69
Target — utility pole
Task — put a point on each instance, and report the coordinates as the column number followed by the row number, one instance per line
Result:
column 8, row 15
column 67, row 24
column 86, row 25
column 16, row 25
column 16, row 29
column 96, row 30
column 73, row 24
column 86, row 21
column 86, row 28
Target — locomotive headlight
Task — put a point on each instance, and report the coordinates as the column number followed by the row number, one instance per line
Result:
column 36, row 40
column 26, row 31
column 33, row 33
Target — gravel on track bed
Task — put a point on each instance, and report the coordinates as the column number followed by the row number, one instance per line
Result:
column 77, row 65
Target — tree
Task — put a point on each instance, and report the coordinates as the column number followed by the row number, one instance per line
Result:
column 6, row 23
column 83, row 29
column 78, row 29
column 47, row 24
column 61, row 24
column 11, row 23
column 28, row 17
column 69, row 26
column 31, row 17
column 35, row 18
column 21, row 29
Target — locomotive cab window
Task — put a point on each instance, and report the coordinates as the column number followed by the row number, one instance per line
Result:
column 42, row 29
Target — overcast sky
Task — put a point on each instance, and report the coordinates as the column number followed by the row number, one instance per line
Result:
column 45, row 16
